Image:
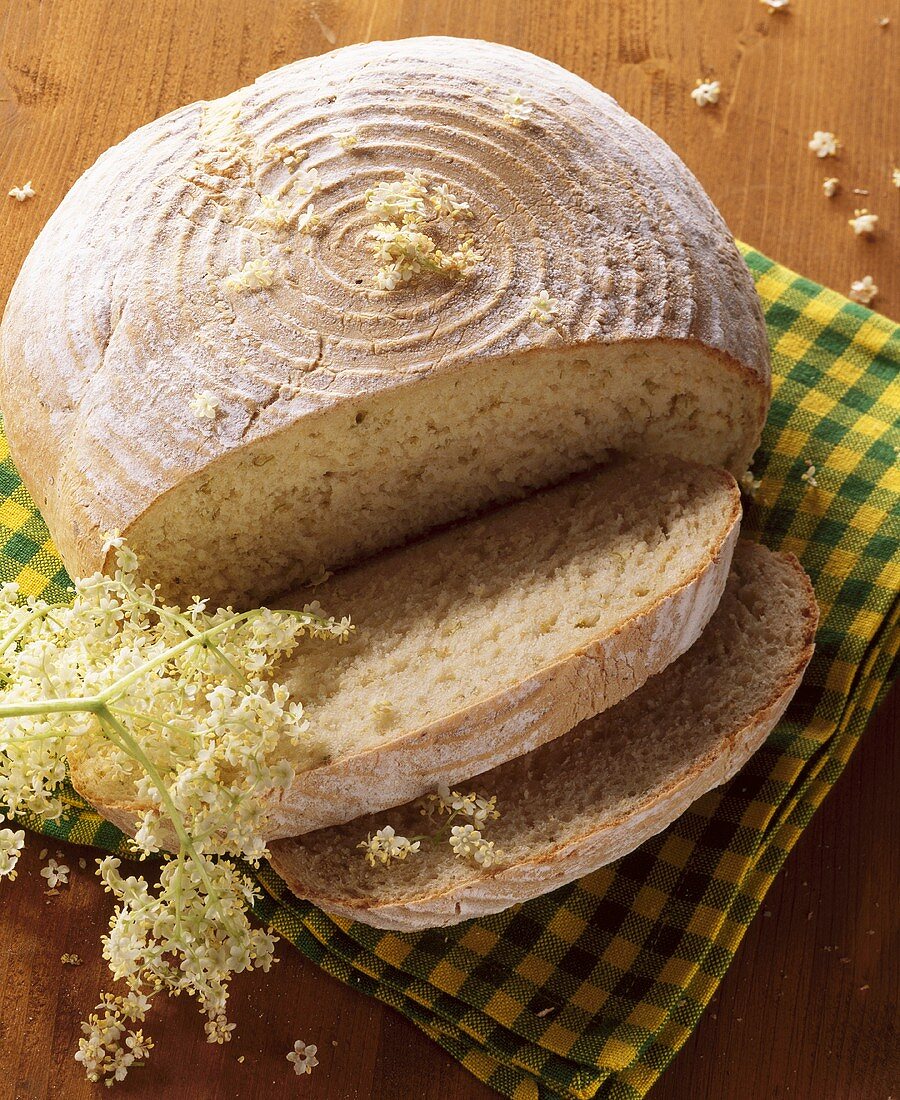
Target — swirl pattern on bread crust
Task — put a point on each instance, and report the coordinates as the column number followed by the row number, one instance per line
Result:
column 126, row 307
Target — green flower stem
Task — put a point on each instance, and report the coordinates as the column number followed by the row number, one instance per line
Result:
column 134, row 750
column 51, row 706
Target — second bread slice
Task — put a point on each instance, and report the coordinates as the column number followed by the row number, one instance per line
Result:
column 480, row 643
column 604, row 788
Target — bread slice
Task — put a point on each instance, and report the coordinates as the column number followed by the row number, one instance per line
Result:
column 597, row 793
column 482, row 642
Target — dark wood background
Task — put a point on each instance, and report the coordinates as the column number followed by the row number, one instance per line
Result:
column 809, row 1008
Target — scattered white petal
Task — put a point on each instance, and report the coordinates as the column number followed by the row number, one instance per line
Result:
column 543, row 307
column 303, row 1057
column 863, row 222
column 809, row 476
column 204, row 405
column 830, row 187
column 348, row 139
column 308, row 220
column 56, row 874
column 749, row 484
column 706, row 92
column 517, row 109
column 824, row 144
column 20, row 194
column 895, row 177
column 776, row 5
column 863, row 290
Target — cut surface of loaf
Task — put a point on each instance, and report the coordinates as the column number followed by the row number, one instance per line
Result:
column 483, row 641
column 602, row 789
column 336, row 418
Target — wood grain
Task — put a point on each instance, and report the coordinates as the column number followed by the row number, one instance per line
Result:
column 792, row 1019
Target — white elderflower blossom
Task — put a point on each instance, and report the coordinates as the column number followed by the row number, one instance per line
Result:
column 516, row 109
column 348, row 139
column 386, row 846
column 284, row 154
column 204, row 405
column 20, row 194
column 543, row 308
column 863, row 223
column 467, row 841
column 185, row 707
column 830, row 187
column 254, row 275
column 56, row 874
column 271, row 213
column 824, row 144
column 706, row 92
column 12, row 841
column 112, row 540
column 863, row 290
column 809, row 476
column 303, row 1057
column 446, row 204
column 469, row 805
column 308, row 219
column 749, row 484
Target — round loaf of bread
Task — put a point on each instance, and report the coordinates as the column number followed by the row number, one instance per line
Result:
column 372, row 292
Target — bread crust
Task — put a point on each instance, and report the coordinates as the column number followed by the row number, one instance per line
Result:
column 489, row 891
column 113, row 326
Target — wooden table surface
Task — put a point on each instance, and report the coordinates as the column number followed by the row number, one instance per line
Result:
column 809, row 1007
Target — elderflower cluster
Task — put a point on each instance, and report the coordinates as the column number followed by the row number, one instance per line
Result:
column 403, row 240
column 272, row 213
column 386, row 846
column 467, row 840
column 254, row 275
column 182, row 708
column 109, row 1047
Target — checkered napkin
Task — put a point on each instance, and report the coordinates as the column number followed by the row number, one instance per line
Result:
column 590, row 991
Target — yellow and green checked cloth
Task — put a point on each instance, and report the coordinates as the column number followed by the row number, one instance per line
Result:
column 590, row 991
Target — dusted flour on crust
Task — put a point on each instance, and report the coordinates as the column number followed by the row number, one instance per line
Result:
column 222, row 254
